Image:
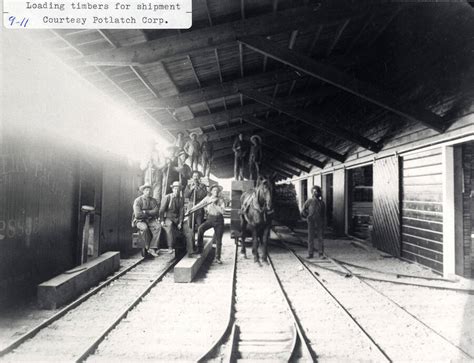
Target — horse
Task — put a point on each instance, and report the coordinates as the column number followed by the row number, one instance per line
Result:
column 256, row 215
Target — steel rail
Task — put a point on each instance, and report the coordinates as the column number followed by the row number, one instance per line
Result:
column 297, row 323
column 124, row 313
column 230, row 326
column 31, row 333
column 335, row 299
column 467, row 355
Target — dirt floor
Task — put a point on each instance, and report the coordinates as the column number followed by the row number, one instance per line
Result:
column 443, row 307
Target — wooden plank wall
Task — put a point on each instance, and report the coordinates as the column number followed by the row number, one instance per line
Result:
column 422, row 208
column 386, row 204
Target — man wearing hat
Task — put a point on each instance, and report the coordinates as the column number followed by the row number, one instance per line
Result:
column 172, row 214
column 145, row 212
column 215, row 206
column 193, row 149
column 255, row 157
column 207, row 155
column 196, row 191
column 314, row 211
column 240, row 149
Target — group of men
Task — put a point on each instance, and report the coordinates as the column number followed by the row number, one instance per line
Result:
column 241, row 149
column 161, row 205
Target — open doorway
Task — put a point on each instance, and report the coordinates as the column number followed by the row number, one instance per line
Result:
column 304, row 191
column 464, row 208
column 328, row 197
column 360, row 201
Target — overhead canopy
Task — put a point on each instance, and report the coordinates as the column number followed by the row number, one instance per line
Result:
column 315, row 80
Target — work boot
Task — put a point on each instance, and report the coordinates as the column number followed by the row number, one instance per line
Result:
column 148, row 255
column 310, row 255
column 218, row 261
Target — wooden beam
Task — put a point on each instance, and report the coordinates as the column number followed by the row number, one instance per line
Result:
column 294, row 139
column 292, row 152
column 312, row 119
column 216, row 117
column 284, row 166
column 304, row 17
column 241, row 60
column 237, row 112
column 346, row 82
column 285, row 159
column 219, row 90
column 229, row 132
column 289, row 164
column 337, row 37
column 280, row 169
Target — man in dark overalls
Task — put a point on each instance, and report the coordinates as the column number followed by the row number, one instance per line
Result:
column 145, row 213
column 314, row 211
column 195, row 191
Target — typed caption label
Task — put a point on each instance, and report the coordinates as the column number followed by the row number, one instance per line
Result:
column 103, row 14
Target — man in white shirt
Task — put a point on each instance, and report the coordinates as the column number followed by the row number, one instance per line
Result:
column 215, row 206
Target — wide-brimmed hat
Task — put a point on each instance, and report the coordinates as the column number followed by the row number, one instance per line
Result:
column 216, row 186
column 176, row 184
column 193, row 134
column 144, row 186
column 197, row 171
column 316, row 187
column 256, row 137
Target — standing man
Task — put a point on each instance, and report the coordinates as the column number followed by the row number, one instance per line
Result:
column 195, row 192
column 193, row 149
column 207, row 155
column 172, row 214
column 314, row 211
column 215, row 206
column 240, row 149
column 145, row 213
column 154, row 175
column 255, row 157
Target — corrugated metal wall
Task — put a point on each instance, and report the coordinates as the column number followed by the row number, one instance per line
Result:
column 38, row 213
column 386, row 205
column 422, row 210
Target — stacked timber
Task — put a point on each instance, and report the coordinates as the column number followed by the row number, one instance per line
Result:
column 238, row 188
column 286, row 205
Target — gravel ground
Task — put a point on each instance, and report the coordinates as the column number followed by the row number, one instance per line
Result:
column 325, row 323
column 21, row 318
column 175, row 321
column 402, row 336
column 68, row 337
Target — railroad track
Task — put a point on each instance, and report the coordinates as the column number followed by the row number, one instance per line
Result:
column 175, row 321
column 75, row 331
column 261, row 324
column 394, row 332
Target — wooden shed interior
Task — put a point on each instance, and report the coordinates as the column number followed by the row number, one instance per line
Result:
column 358, row 97
column 317, row 80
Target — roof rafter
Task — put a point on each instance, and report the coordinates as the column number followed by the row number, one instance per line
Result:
column 219, row 90
column 237, row 112
column 312, row 119
column 293, row 138
column 208, row 38
column 346, row 82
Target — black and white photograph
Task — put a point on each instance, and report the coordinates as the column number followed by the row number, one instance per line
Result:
column 236, row 181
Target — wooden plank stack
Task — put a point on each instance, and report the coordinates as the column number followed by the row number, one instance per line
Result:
column 286, row 205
